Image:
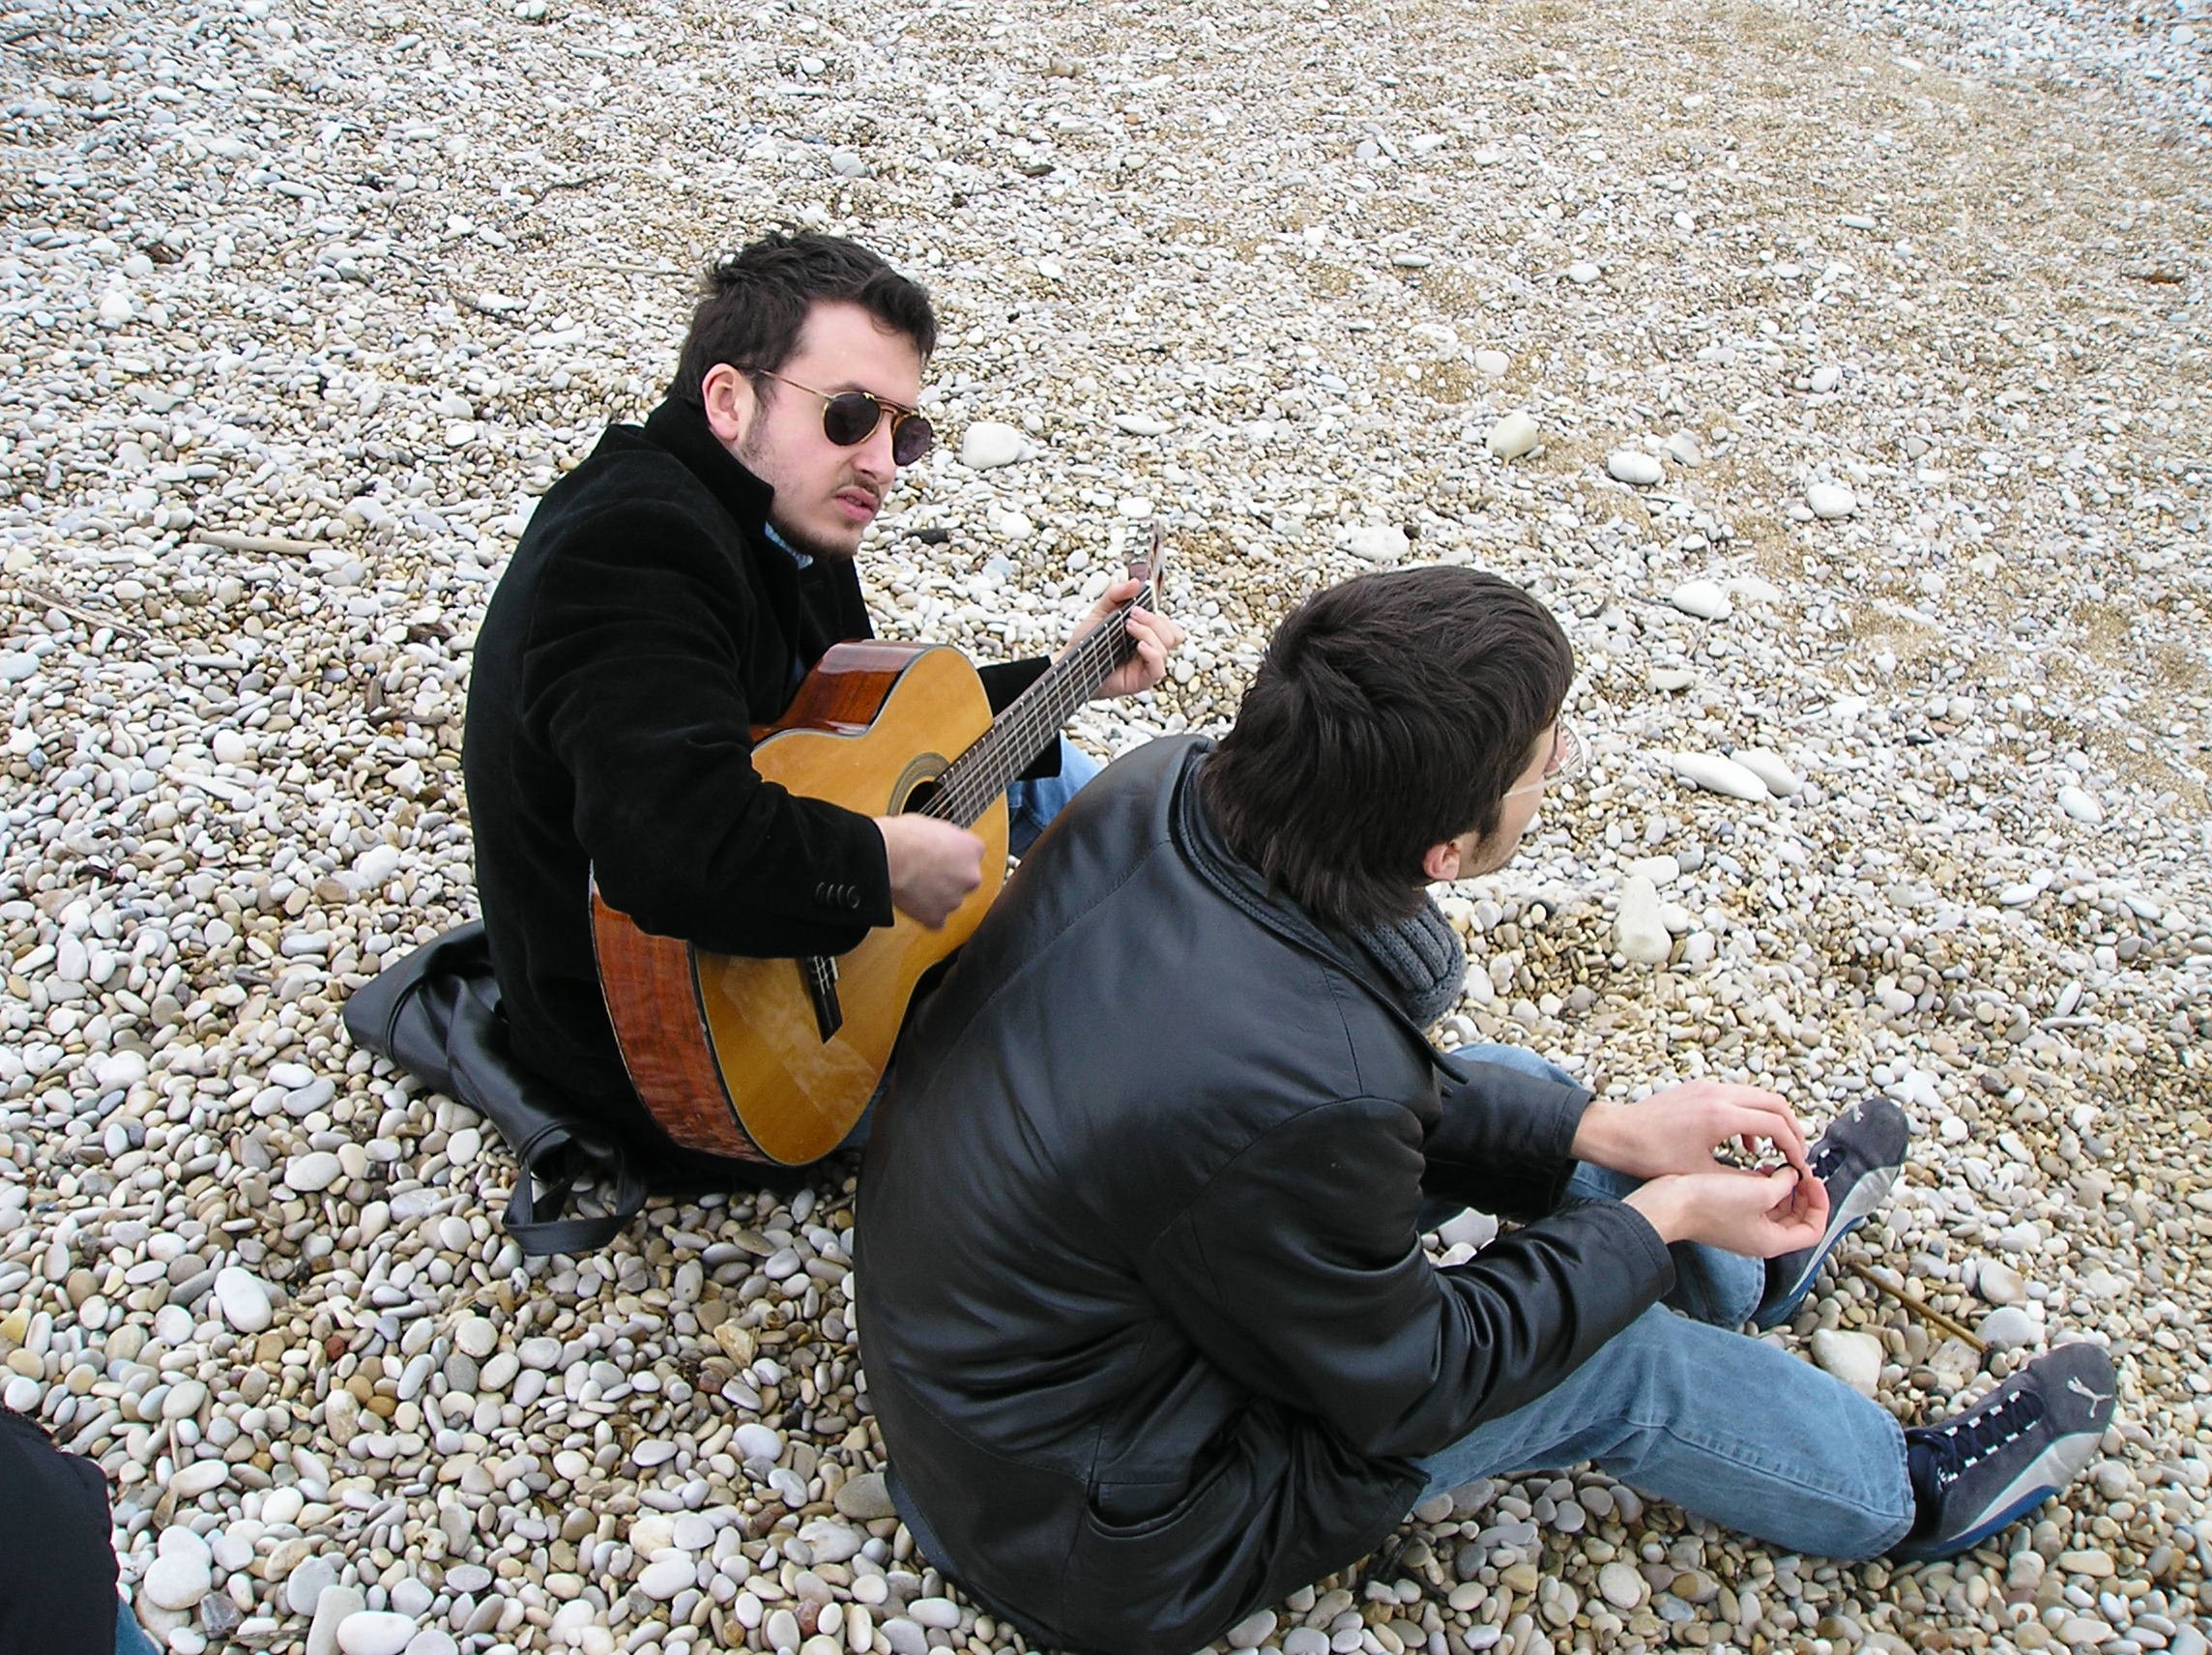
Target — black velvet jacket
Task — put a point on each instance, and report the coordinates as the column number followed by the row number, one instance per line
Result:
column 645, row 624
column 57, row 1571
column 1142, row 1305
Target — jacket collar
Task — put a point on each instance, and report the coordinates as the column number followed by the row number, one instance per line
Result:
column 681, row 427
column 1238, row 883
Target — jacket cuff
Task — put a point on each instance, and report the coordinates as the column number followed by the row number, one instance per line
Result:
column 1506, row 1141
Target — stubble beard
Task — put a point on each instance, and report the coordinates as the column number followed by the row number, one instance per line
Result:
column 752, row 454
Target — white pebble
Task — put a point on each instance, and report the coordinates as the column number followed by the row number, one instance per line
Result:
column 1377, row 544
column 987, row 445
column 312, row 1172
column 1717, row 775
column 1706, row 599
column 2080, row 804
column 243, row 1298
column 1830, row 501
column 1639, row 931
column 375, row 1632
column 1772, row 769
column 1512, row 436
column 1854, row 1358
column 1633, row 466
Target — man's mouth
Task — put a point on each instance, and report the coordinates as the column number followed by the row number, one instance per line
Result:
column 860, row 505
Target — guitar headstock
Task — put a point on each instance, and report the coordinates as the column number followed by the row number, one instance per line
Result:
column 1149, row 568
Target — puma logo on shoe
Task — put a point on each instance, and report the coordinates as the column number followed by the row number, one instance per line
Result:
column 2095, row 1396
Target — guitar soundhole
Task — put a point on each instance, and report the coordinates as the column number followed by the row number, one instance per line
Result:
column 916, row 785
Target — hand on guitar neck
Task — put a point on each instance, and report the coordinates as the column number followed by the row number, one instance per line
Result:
column 934, row 866
column 1154, row 636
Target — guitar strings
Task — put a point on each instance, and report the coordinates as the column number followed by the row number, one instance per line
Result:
column 977, row 778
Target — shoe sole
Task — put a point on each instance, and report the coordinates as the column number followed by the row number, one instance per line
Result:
column 1869, row 1193
column 2004, row 1519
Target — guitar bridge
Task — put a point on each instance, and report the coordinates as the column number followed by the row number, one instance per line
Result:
column 820, row 974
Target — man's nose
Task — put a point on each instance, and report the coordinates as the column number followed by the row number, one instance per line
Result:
column 874, row 459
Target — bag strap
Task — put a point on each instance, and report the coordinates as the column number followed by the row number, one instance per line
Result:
column 546, row 1177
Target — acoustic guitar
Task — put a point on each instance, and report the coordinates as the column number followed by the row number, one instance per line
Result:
column 775, row 1061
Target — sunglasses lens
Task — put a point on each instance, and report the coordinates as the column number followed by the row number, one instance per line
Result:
column 850, row 418
column 910, row 439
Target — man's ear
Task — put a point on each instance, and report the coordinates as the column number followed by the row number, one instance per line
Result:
column 732, row 403
column 1441, row 862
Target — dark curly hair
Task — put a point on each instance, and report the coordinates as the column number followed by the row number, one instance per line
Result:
column 1389, row 714
column 753, row 303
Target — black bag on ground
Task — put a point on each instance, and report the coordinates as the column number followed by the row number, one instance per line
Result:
column 436, row 1014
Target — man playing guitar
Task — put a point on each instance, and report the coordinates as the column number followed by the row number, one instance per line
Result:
column 667, row 600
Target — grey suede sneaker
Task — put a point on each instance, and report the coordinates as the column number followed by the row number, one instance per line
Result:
column 1857, row 1159
column 2016, row 1448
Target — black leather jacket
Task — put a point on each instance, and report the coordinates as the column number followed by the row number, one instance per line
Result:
column 1143, row 1304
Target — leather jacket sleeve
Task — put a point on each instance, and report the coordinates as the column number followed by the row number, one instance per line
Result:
column 1505, row 1144
column 630, row 678
column 1298, row 1271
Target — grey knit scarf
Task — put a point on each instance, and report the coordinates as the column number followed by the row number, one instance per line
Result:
column 1421, row 959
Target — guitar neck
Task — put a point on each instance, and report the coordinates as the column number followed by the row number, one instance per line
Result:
column 973, row 781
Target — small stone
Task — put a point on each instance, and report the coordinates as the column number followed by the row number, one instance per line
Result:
column 1772, row 769
column 865, row 1498
column 2080, row 804
column 331, row 1610
column 1140, row 425
column 663, row 1580
column 941, row 1612
column 1377, row 544
column 987, row 445
column 1512, row 436
column 1621, row 1585
column 1639, row 933
column 178, row 1580
column 1998, row 1283
column 2009, row 1327
column 1855, row 1358
column 830, row 1542
column 1633, row 466
column 1830, row 501
column 1706, row 599
column 1717, row 775
column 310, row 1577
column 1492, row 362
column 312, row 1172
column 1825, row 378
column 474, row 1336
column 375, row 1632
column 757, row 1441
column 1582, row 272
column 243, row 1298
column 1252, row 1631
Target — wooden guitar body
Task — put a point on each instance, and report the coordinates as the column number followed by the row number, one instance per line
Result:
column 729, row 1054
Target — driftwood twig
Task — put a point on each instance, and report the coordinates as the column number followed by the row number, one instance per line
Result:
column 1921, row 1308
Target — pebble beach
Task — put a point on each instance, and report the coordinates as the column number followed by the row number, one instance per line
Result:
column 1840, row 372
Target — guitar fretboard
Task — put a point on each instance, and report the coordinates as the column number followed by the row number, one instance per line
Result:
column 973, row 780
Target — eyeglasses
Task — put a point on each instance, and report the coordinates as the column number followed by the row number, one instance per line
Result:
column 849, row 417
column 1569, row 759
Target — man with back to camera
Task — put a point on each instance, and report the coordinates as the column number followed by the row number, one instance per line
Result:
column 672, row 592
column 1143, row 1308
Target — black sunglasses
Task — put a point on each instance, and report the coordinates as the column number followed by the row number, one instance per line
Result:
column 849, row 417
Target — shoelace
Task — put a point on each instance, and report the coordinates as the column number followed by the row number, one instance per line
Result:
column 1963, row 1443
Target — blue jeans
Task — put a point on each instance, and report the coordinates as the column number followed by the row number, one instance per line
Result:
column 1031, row 806
column 1683, row 1406
column 129, row 1637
